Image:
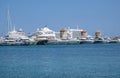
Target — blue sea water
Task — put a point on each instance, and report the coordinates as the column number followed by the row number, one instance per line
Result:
column 60, row 61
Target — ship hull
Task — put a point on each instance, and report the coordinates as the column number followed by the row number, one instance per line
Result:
column 57, row 42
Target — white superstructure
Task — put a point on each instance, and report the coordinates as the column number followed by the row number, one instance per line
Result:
column 16, row 35
column 44, row 33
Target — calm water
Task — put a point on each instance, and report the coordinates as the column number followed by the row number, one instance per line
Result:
column 60, row 61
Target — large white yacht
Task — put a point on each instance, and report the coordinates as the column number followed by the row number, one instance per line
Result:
column 15, row 38
column 16, row 34
column 44, row 33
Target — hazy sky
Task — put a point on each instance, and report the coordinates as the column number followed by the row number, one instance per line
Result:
column 92, row 15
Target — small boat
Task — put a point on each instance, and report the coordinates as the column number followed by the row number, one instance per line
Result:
column 99, row 40
column 114, row 41
column 86, row 40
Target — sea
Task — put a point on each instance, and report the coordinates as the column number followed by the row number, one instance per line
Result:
column 60, row 61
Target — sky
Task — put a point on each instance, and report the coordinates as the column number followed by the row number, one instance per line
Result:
column 91, row 15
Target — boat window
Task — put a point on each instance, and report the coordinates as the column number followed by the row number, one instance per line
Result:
column 48, row 32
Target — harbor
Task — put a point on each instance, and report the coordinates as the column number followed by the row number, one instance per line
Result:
column 59, row 38
column 46, row 36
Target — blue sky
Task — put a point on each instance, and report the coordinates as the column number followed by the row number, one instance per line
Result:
column 92, row 15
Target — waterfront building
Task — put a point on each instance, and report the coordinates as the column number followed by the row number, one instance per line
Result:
column 99, row 38
column 1, row 40
column 84, row 34
column 74, row 33
column 57, row 34
column 85, row 38
column 97, row 34
column 63, row 34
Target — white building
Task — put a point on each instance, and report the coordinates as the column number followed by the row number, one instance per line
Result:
column 74, row 33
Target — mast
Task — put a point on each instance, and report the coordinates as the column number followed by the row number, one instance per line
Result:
column 9, row 22
column 77, row 27
column 14, row 28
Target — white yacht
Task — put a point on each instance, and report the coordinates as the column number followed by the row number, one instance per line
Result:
column 16, row 38
column 88, row 39
column 44, row 33
column 16, row 35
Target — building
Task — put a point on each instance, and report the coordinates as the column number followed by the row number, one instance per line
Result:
column 97, row 34
column 74, row 33
column 63, row 34
column 57, row 34
column 84, row 34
